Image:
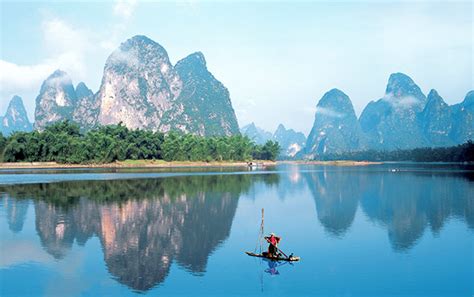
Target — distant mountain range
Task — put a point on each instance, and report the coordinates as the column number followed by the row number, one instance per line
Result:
column 403, row 119
column 143, row 90
column 291, row 142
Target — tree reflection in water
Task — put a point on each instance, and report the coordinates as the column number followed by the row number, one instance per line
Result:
column 143, row 225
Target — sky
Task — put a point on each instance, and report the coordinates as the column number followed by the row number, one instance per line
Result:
column 277, row 58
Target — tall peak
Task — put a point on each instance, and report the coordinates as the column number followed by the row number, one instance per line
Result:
column 82, row 90
column 140, row 38
column 469, row 99
column 401, row 85
column 433, row 94
column 399, row 77
column 57, row 78
column 196, row 59
column 434, row 101
column 16, row 105
column 335, row 92
column 137, row 53
column 336, row 100
column 434, row 97
column 57, row 73
column 15, row 118
column 16, row 100
column 139, row 41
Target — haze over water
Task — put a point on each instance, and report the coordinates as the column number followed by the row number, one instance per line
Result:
column 379, row 230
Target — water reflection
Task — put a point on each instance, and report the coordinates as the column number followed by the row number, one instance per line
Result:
column 405, row 203
column 143, row 225
column 336, row 194
column 16, row 213
column 146, row 225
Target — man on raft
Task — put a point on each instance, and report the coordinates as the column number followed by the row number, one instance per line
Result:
column 273, row 241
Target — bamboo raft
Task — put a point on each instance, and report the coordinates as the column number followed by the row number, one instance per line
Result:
column 289, row 259
column 281, row 255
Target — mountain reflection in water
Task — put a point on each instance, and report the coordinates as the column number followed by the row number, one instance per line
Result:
column 145, row 225
column 404, row 203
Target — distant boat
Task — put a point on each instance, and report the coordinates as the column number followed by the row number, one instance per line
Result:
column 256, row 164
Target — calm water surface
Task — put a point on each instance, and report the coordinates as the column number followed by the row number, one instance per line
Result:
column 381, row 230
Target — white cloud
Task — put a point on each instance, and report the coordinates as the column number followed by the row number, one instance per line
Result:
column 125, row 8
column 129, row 57
column 328, row 112
column 14, row 77
column 401, row 102
column 67, row 47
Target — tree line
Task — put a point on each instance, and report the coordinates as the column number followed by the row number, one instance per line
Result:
column 459, row 153
column 63, row 142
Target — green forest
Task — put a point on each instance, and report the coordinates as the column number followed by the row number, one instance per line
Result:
column 63, row 142
column 459, row 153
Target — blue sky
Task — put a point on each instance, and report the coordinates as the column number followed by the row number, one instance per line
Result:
column 276, row 58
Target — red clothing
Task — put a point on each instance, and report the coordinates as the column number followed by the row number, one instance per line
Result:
column 273, row 239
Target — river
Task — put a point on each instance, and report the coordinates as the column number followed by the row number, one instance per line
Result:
column 377, row 230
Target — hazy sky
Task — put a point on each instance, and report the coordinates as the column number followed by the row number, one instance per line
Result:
column 276, row 58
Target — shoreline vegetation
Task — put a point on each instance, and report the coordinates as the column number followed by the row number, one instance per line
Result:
column 462, row 153
column 135, row 164
column 64, row 143
column 176, row 164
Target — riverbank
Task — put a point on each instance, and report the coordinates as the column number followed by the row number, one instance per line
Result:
column 174, row 164
column 332, row 163
column 132, row 164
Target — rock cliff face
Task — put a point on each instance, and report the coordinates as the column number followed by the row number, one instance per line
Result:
column 436, row 121
column 87, row 109
column 206, row 101
column 141, row 88
column 139, row 84
column 335, row 128
column 15, row 118
column 463, row 119
column 56, row 100
column 391, row 122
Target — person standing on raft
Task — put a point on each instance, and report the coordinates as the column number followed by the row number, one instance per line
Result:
column 273, row 242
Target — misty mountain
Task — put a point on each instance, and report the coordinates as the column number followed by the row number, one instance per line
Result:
column 143, row 90
column 15, row 118
column 403, row 119
column 291, row 142
column 436, row 121
column 256, row 134
column 335, row 128
column 463, row 120
column 391, row 122
column 56, row 100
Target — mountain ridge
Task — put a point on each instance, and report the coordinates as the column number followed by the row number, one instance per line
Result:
column 143, row 90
